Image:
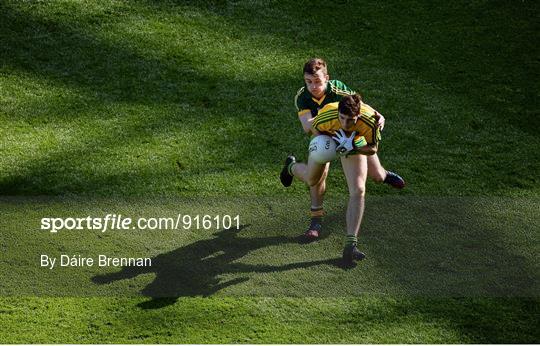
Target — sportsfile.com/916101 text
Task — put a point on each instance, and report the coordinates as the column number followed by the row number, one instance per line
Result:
column 119, row 222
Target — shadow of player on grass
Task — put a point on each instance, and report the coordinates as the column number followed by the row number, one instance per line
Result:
column 195, row 269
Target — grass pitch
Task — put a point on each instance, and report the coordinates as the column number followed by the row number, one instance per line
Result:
column 154, row 106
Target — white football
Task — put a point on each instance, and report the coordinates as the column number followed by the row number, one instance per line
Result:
column 322, row 149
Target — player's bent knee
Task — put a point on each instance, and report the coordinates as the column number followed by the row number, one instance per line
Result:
column 357, row 192
column 314, row 181
column 321, row 184
column 324, row 174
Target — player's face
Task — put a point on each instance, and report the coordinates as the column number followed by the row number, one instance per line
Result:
column 347, row 122
column 316, row 83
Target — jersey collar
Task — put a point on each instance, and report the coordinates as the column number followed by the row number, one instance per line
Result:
column 319, row 101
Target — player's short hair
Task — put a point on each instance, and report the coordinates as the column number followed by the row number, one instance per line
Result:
column 315, row 64
column 350, row 105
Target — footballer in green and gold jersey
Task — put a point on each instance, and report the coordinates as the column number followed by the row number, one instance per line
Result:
column 308, row 105
column 327, row 122
column 318, row 91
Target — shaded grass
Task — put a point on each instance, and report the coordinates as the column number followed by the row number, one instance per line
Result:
column 419, row 247
column 269, row 320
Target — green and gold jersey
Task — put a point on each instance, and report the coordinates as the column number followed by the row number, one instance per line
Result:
column 327, row 122
column 307, row 105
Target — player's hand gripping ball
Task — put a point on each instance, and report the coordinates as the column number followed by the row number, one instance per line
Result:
column 345, row 143
column 322, row 149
